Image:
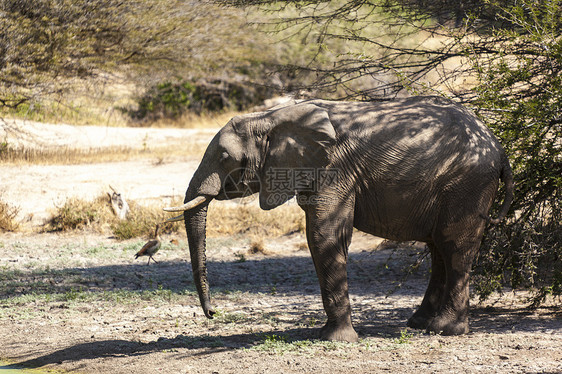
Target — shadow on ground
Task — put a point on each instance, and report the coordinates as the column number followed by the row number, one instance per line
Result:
column 369, row 272
column 372, row 276
column 519, row 319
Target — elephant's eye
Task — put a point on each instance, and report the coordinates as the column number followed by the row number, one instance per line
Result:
column 224, row 157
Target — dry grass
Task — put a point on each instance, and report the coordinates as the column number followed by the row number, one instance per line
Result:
column 72, row 156
column 223, row 220
column 64, row 155
column 254, row 222
column 8, row 216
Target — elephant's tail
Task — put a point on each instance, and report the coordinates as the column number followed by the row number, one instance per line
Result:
column 507, row 178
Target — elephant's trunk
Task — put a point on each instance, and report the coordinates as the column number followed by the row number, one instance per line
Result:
column 195, row 225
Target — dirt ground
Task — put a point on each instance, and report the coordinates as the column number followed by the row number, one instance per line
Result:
column 81, row 303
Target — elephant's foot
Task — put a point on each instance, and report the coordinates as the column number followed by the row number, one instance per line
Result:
column 342, row 332
column 420, row 320
column 445, row 325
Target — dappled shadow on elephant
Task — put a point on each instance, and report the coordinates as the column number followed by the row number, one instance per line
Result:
column 419, row 168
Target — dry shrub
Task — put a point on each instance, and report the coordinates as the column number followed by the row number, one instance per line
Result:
column 251, row 220
column 223, row 220
column 190, row 120
column 77, row 214
column 258, row 246
column 8, row 216
column 142, row 221
column 64, row 155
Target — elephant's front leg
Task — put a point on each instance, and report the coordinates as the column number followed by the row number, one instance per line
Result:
column 329, row 228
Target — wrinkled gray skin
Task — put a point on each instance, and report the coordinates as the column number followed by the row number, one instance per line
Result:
column 419, row 168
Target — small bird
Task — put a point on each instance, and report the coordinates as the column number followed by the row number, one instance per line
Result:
column 150, row 248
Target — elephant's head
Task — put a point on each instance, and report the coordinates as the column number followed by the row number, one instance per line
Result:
column 248, row 155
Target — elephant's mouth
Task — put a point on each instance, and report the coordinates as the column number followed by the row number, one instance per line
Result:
column 236, row 190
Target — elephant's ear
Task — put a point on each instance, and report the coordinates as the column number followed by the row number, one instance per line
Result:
column 297, row 148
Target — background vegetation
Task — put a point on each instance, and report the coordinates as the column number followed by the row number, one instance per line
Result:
column 8, row 215
column 503, row 58
column 49, row 48
column 519, row 93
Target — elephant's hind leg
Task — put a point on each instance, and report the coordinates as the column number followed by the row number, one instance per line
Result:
column 329, row 231
column 458, row 252
column 433, row 299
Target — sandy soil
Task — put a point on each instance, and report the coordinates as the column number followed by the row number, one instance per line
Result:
column 37, row 189
column 35, row 134
column 81, row 303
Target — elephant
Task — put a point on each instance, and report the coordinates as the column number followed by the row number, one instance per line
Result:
column 408, row 169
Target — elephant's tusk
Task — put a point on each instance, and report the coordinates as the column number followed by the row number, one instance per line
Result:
column 187, row 206
column 175, row 219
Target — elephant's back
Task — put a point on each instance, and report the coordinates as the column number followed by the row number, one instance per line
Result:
column 406, row 159
column 405, row 116
column 423, row 127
